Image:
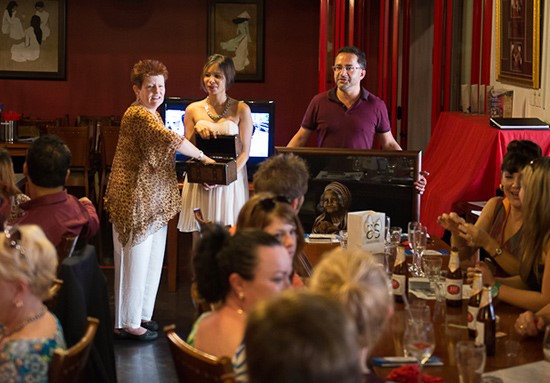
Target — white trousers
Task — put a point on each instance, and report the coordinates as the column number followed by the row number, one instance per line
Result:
column 137, row 276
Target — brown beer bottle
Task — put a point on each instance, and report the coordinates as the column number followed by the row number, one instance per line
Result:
column 486, row 323
column 473, row 303
column 454, row 280
column 400, row 276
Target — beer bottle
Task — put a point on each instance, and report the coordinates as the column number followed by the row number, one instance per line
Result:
column 454, row 280
column 473, row 303
column 400, row 276
column 486, row 323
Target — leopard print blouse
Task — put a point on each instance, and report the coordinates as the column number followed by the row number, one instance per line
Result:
column 142, row 194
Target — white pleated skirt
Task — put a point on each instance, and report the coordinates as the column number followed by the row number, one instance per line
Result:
column 221, row 205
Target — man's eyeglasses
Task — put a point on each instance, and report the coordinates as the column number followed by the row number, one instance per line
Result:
column 347, row 68
column 13, row 238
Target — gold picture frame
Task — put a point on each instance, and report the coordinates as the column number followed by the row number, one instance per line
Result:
column 518, row 47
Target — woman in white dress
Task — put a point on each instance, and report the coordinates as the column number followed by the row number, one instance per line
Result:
column 217, row 114
column 44, row 19
column 29, row 50
column 11, row 24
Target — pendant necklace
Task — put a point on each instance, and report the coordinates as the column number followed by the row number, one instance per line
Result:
column 220, row 116
column 4, row 334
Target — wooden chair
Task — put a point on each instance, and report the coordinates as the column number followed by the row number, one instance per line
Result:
column 67, row 365
column 108, row 139
column 54, row 289
column 77, row 139
column 66, row 247
column 194, row 366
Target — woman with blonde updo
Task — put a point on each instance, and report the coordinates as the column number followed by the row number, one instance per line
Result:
column 355, row 279
column 29, row 333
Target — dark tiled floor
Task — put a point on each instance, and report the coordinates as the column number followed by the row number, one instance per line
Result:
column 151, row 362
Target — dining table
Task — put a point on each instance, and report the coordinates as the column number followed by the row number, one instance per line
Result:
column 450, row 324
column 450, row 327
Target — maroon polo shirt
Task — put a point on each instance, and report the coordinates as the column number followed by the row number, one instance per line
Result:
column 340, row 127
column 60, row 214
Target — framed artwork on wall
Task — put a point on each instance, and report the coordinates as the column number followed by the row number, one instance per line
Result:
column 518, row 49
column 32, row 40
column 236, row 30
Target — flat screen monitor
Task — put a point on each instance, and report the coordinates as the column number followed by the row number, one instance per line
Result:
column 262, row 144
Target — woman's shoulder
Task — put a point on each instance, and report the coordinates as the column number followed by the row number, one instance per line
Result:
column 492, row 205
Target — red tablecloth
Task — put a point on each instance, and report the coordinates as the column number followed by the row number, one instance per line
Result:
column 464, row 157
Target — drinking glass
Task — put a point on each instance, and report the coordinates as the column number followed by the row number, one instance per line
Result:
column 387, row 245
column 431, row 265
column 419, row 341
column 419, row 235
column 546, row 343
column 343, row 238
column 470, row 360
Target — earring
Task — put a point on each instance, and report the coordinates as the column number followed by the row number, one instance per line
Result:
column 18, row 304
column 241, row 295
column 501, row 187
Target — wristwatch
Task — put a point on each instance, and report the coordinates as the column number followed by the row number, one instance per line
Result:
column 200, row 156
column 498, row 252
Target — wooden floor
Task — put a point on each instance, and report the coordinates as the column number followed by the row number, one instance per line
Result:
column 150, row 362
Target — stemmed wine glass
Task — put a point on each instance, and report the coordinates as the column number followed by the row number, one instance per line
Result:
column 419, row 341
column 418, row 237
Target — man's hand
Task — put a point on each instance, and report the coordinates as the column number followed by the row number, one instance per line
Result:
column 420, row 185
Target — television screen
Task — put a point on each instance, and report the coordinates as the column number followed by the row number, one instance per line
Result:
column 263, row 119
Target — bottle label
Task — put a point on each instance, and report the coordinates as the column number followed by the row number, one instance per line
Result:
column 480, row 333
column 454, row 289
column 472, row 315
column 398, row 284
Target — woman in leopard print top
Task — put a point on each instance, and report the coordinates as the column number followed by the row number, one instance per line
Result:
column 142, row 196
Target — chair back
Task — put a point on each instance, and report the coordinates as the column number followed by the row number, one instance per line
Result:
column 52, row 292
column 67, row 365
column 66, row 247
column 109, row 140
column 78, row 141
column 194, row 366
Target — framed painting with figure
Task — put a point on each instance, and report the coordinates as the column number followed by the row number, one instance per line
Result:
column 518, row 50
column 32, row 40
column 236, row 30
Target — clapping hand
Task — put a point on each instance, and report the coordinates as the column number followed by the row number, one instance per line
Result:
column 473, row 236
column 451, row 222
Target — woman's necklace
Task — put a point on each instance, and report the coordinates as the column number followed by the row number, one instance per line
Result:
column 220, row 116
column 4, row 334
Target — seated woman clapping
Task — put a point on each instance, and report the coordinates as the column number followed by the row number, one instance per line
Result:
column 498, row 230
column 233, row 273
column 355, row 279
column 29, row 333
column 531, row 288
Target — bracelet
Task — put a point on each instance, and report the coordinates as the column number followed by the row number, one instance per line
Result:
column 495, row 289
column 200, row 156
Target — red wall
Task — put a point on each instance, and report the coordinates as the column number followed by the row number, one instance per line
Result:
column 106, row 37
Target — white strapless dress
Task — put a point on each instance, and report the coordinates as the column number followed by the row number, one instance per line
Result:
column 222, row 204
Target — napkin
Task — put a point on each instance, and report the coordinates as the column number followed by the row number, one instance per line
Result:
column 409, row 374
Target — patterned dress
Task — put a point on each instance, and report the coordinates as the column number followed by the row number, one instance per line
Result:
column 28, row 360
column 142, row 194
